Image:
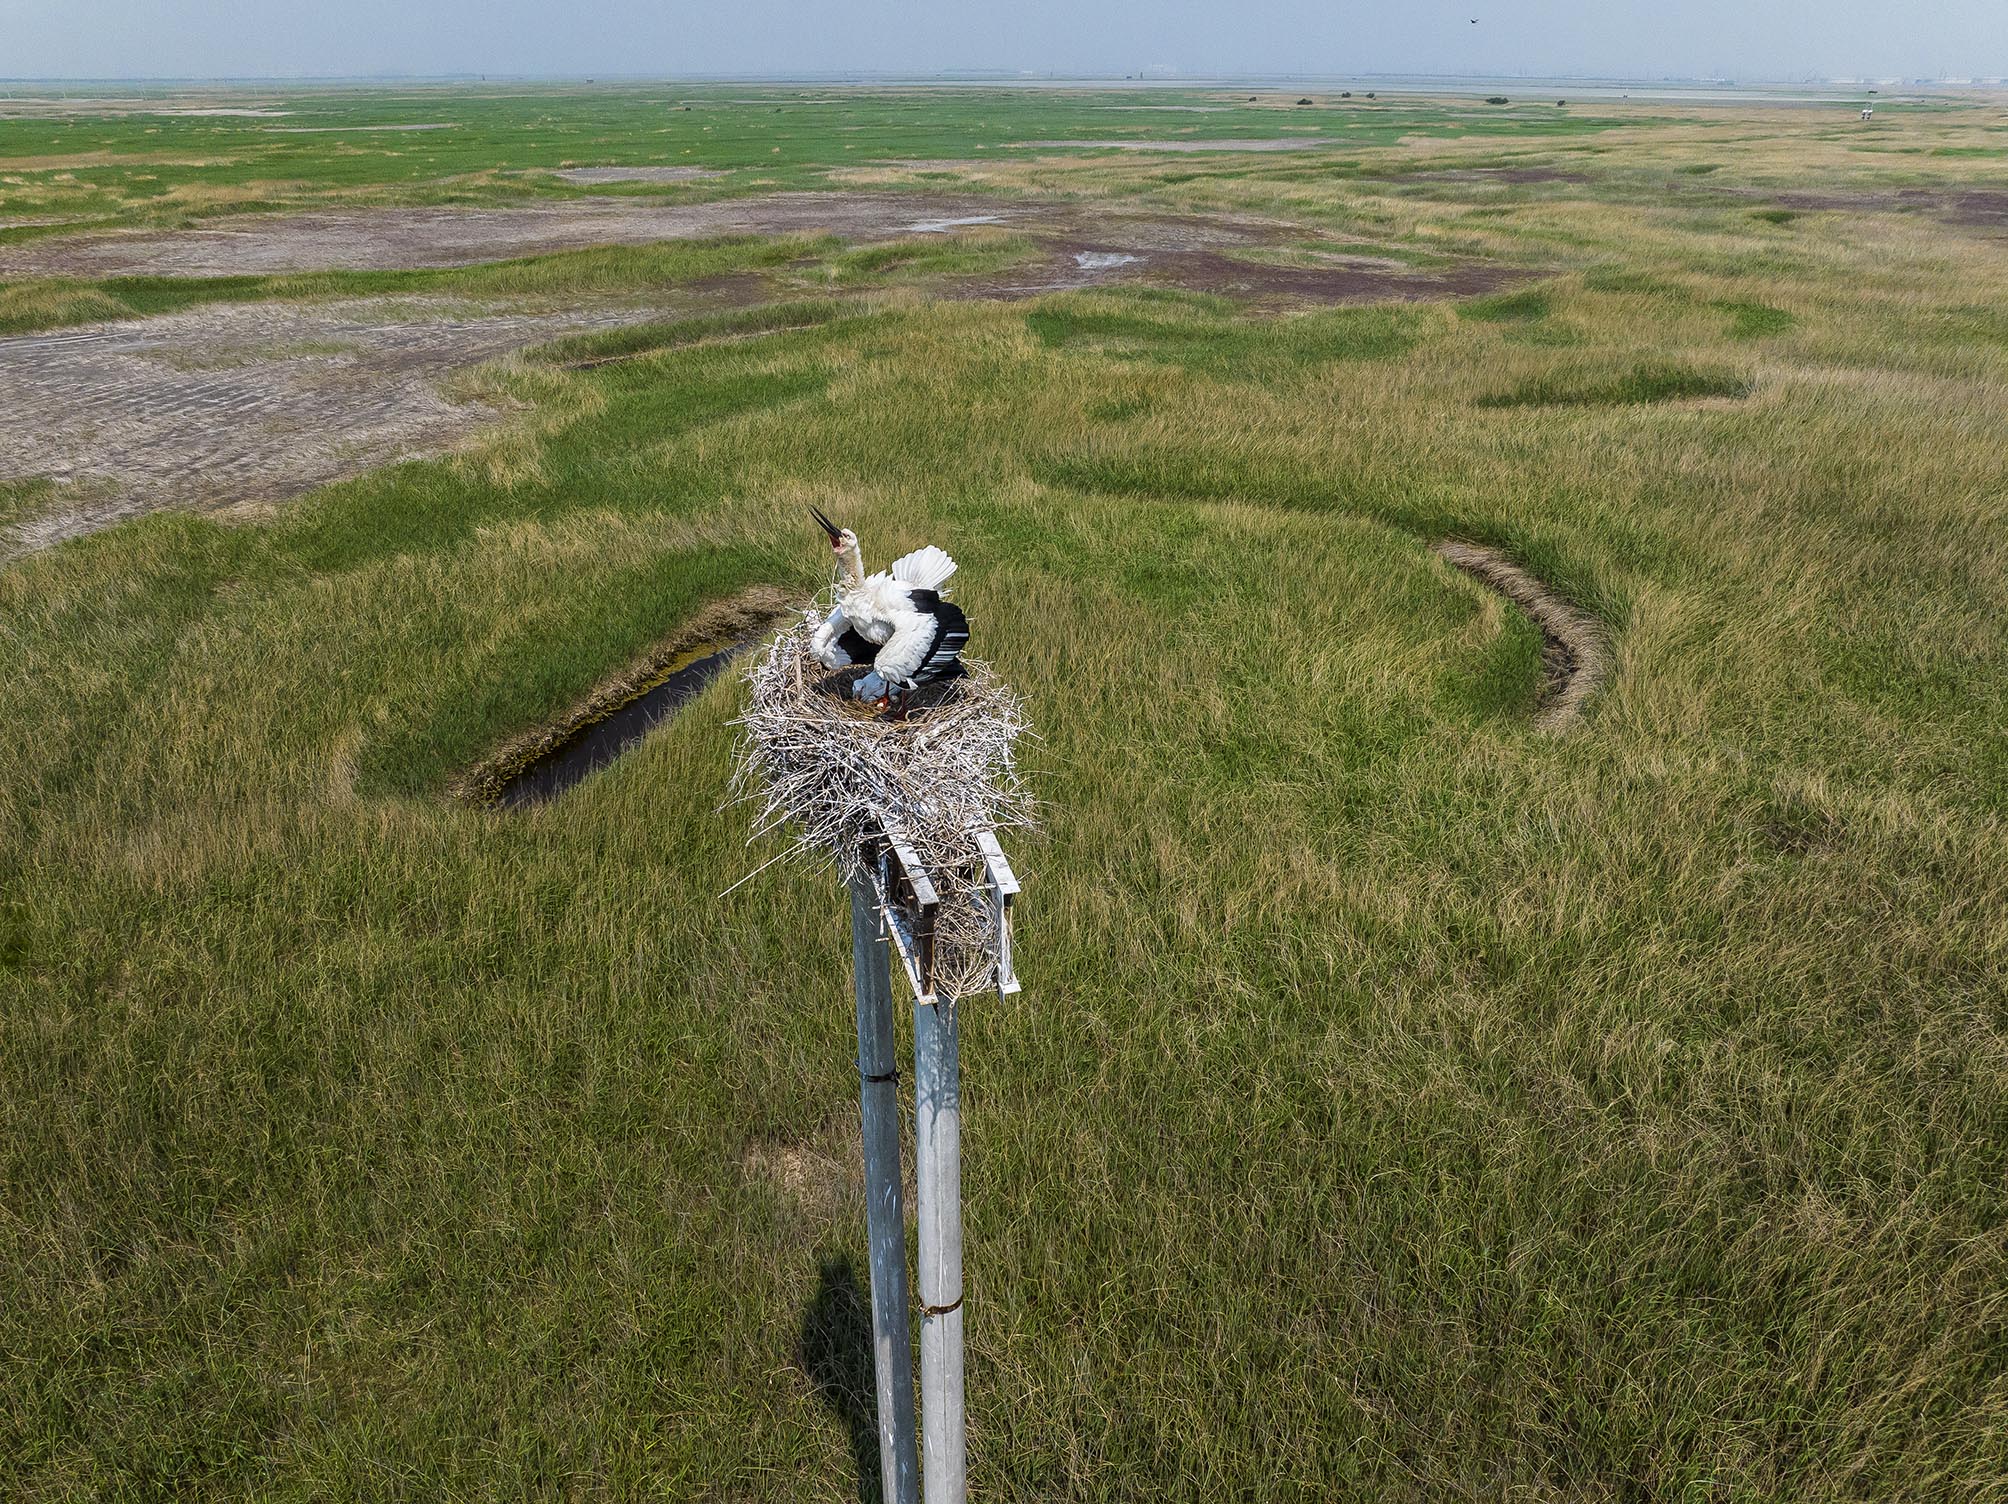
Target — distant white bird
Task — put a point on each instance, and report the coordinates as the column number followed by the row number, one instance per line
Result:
column 895, row 620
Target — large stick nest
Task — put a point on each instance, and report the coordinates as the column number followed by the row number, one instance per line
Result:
column 838, row 772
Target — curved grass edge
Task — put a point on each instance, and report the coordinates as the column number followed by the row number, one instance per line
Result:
column 722, row 620
column 1576, row 659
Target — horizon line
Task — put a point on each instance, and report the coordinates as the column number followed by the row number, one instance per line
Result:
column 1145, row 78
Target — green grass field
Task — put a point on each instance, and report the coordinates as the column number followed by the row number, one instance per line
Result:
column 460, row 145
column 1403, row 1104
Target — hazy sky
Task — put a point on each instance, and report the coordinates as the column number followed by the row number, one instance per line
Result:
column 1743, row 39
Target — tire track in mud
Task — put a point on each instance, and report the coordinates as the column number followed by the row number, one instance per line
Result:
column 243, row 403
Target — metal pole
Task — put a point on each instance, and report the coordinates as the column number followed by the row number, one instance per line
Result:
column 937, row 1103
column 885, row 1212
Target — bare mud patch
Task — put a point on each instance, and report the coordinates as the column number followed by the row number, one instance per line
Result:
column 1270, row 282
column 1967, row 208
column 1078, row 244
column 1574, row 660
column 1977, row 207
column 45, row 107
column 226, row 405
column 1089, row 246
column 959, row 222
column 377, row 239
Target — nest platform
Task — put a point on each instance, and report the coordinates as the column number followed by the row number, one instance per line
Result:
column 936, row 772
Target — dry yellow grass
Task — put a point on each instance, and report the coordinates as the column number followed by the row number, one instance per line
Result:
column 1402, row 1104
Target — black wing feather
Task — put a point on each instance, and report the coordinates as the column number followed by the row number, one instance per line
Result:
column 856, row 646
column 951, row 636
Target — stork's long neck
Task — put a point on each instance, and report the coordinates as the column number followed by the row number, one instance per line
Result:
column 853, row 561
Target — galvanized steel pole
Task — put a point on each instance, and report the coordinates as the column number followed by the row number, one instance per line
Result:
column 937, row 1099
column 885, row 1211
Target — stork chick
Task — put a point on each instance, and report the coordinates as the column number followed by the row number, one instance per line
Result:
column 895, row 620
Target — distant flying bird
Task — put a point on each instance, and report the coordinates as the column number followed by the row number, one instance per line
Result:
column 895, row 620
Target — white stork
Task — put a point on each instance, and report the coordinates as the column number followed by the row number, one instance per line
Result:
column 896, row 620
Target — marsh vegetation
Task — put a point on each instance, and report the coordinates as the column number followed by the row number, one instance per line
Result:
column 1403, row 1102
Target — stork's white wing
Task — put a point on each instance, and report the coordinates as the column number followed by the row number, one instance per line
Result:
column 924, row 569
column 906, row 649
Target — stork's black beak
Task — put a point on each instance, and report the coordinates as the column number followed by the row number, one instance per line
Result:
column 836, row 533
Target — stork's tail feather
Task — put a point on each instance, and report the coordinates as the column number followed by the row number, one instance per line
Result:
column 924, row 569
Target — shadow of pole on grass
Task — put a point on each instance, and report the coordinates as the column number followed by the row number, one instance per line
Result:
column 835, row 1350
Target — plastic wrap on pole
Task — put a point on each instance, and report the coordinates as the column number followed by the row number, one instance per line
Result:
column 885, row 1212
column 937, row 1096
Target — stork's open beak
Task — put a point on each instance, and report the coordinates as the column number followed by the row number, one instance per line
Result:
column 836, row 533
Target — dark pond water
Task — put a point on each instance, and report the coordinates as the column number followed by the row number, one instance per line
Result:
column 593, row 747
